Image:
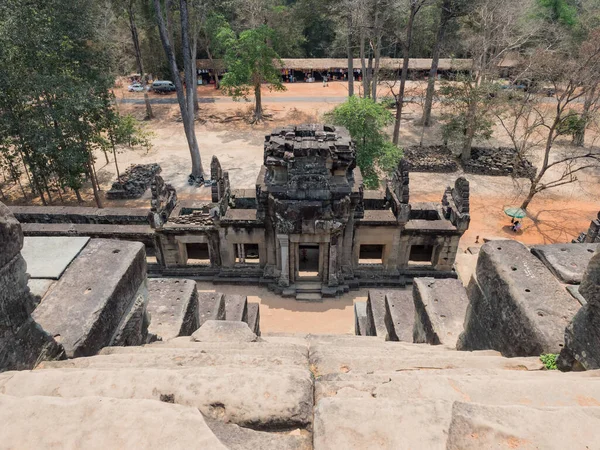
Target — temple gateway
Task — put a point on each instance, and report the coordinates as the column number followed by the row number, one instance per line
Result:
column 309, row 228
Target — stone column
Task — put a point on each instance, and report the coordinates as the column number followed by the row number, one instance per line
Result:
column 284, row 245
column 333, row 262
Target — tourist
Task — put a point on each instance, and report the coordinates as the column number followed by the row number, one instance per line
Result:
column 516, row 226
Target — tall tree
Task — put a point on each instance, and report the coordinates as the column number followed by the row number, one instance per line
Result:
column 184, row 98
column 449, row 9
column 251, row 61
column 413, row 8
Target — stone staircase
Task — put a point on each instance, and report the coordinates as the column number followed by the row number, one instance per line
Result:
column 308, row 291
column 298, row 392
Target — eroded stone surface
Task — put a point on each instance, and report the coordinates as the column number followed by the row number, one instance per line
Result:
column 88, row 305
column 211, row 306
column 173, row 307
column 402, row 314
column 102, row 423
column 49, row 256
column 440, row 310
column 224, row 330
column 517, row 307
column 566, row 261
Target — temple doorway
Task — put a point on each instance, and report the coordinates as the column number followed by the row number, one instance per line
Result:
column 308, row 260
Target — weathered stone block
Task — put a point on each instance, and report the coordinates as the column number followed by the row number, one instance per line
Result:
column 224, row 331
column 360, row 318
column 524, row 309
column 582, row 336
column 89, row 304
column 236, row 308
column 173, row 307
column 379, row 321
column 566, row 261
column 15, row 299
column 440, row 307
column 211, row 306
column 97, row 422
column 402, row 314
column 254, row 318
column 11, row 236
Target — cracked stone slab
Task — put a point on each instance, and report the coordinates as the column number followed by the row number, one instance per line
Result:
column 49, row 256
column 566, row 261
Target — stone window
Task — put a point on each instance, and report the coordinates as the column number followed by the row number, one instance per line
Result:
column 420, row 254
column 371, row 254
column 197, row 254
column 246, row 254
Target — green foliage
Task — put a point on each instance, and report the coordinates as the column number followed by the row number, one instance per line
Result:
column 559, row 11
column 366, row 120
column 549, row 360
column 572, row 124
column 388, row 102
column 130, row 131
column 55, row 82
column 250, row 61
column 460, row 97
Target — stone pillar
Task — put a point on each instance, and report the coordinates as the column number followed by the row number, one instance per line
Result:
column 333, row 262
column 284, row 245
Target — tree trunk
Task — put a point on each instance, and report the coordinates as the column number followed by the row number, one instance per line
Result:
column 214, row 67
column 579, row 136
column 435, row 59
column 195, row 74
column 350, row 58
column 527, row 201
column 369, row 76
column 363, row 64
column 197, row 175
column 376, row 52
column 94, row 182
column 258, row 111
column 404, row 76
column 138, row 57
column 78, row 195
column 469, row 131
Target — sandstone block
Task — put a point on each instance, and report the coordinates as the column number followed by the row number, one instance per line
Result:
column 173, row 307
column 247, row 396
column 254, row 318
column 566, row 261
column 475, row 426
column 11, row 236
column 88, row 305
column 440, row 310
column 102, row 423
column 224, row 330
column 236, row 308
column 379, row 321
column 211, row 306
column 360, row 318
column 402, row 314
column 519, row 308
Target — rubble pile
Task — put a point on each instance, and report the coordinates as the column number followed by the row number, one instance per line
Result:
column 134, row 182
column 500, row 161
column 432, row 158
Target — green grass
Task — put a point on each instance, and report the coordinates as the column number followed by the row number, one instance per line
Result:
column 549, row 360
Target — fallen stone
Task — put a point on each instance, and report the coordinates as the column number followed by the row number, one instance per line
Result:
column 221, row 330
column 573, row 289
column 88, row 304
column 173, row 307
column 211, row 306
column 236, row 308
column 248, row 396
column 402, row 314
column 440, row 311
column 520, row 309
column 590, row 284
column 134, row 326
column 102, row 423
column 238, row 438
column 254, row 318
column 475, row 426
column 566, row 261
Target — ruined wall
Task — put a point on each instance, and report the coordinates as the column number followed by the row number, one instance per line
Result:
column 80, row 215
column 23, row 342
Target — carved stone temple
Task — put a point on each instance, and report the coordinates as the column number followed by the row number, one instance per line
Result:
column 309, row 226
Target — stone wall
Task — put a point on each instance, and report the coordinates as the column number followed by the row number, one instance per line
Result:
column 501, row 161
column 80, row 215
column 23, row 342
column 134, row 182
column 433, row 158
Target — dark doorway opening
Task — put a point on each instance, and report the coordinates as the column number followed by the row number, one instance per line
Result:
column 246, row 254
column 370, row 254
column 197, row 254
column 420, row 254
column 308, row 260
